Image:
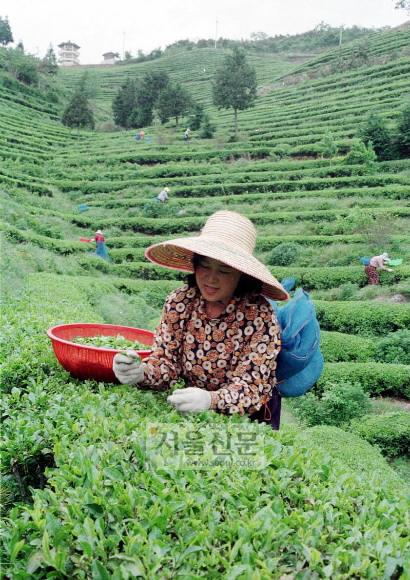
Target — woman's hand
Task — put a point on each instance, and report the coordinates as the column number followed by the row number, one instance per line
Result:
column 127, row 368
column 190, row 400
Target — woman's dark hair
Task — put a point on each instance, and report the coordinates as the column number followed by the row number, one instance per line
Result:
column 246, row 285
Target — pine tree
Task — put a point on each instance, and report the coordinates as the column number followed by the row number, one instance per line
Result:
column 148, row 94
column 174, row 101
column 49, row 62
column 125, row 103
column 78, row 112
column 208, row 129
column 234, row 85
column 197, row 117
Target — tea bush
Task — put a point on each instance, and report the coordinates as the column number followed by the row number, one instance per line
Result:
column 339, row 347
column 357, row 318
column 376, row 378
column 395, row 348
column 91, row 530
column 337, row 404
column 389, row 431
column 283, row 254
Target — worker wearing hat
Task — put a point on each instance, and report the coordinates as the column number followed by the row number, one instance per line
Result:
column 218, row 331
column 163, row 195
column 377, row 263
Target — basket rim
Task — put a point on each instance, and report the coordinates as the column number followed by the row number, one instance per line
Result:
column 53, row 337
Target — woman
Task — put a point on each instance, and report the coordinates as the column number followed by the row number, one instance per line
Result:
column 218, row 332
column 101, row 249
column 376, row 263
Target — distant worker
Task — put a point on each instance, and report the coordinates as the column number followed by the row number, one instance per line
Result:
column 101, row 248
column 376, row 263
column 142, row 135
column 163, row 195
column 187, row 134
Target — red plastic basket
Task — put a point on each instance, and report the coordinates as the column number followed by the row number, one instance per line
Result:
column 89, row 362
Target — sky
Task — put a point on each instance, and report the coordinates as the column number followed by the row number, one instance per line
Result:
column 99, row 26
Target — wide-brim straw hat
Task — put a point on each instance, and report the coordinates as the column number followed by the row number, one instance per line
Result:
column 228, row 237
column 98, row 232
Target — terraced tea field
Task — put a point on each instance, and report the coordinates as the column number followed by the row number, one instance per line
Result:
column 80, row 496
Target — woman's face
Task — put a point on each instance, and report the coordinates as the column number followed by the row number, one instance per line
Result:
column 216, row 281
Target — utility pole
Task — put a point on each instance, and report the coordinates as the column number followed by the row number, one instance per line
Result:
column 123, row 45
column 216, row 32
column 340, row 37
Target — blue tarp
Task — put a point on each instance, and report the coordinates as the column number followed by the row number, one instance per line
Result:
column 300, row 362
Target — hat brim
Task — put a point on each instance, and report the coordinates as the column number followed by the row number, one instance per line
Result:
column 177, row 255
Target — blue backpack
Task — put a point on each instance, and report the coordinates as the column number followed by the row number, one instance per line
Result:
column 300, row 362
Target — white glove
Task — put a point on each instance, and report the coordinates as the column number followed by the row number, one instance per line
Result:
column 127, row 368
column 190, row 399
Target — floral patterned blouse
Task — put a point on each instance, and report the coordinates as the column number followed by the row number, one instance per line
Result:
column 233, row 356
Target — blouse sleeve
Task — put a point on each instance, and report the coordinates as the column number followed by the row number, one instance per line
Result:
column 164, row 363
column 253, row 379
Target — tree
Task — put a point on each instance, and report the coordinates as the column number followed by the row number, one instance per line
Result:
column 124, row 104
column 404, row 4
column 197, row 116
column 375, row 131
column 49, row 62
column 5, row 32
column 403, row 133
column 173, row 101
column 208, row 129
column 234, row 85
column 148, row 93
column 23, row 67
column 361, row 154
column 78, row 112
column 329, row 146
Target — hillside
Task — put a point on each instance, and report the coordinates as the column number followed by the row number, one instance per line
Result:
column 194, row 69
column 329, row 503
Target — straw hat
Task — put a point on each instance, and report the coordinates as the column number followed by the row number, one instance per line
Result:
column 166, row 189
column 98, row 232
column 228, row 237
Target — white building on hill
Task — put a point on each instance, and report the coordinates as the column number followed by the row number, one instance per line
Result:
column 68, row 54
column 110, row 57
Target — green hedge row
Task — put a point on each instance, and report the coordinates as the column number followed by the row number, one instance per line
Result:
column 26, row 350
column 308, row 278
column 362, row 318
column 60, row 246
column 349, row 450
column 376, row 378
column 161, row 157
column 286, row 186
column 183, row 224
column 263, row 242
column 339, row 347
column 389, row 431
column 126, row 180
